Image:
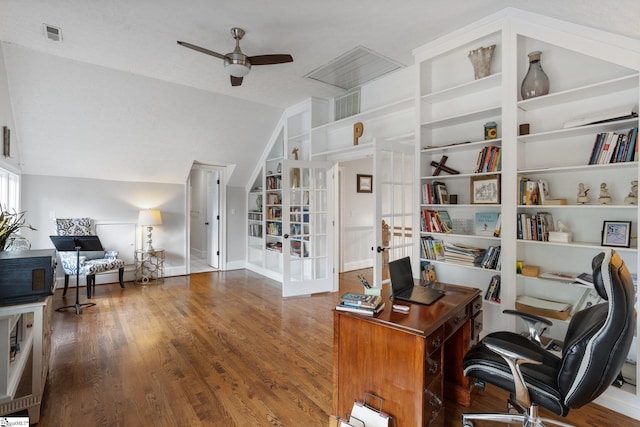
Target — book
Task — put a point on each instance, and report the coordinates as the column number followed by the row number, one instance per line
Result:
column 558, row 275
column 486, row 222
column 532, row 193
column 361, row 310
column 543, row 191
column 585, row 279
column 360, row 300
column 445, row 220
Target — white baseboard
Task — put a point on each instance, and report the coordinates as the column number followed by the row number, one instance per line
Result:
column 357, row 265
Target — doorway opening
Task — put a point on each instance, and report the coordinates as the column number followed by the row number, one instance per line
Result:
column 206, row 219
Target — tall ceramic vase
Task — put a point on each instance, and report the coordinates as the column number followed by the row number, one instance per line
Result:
column 536, row 82
column 481, row 60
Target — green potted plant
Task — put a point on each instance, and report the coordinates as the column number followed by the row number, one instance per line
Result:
column 10, row 223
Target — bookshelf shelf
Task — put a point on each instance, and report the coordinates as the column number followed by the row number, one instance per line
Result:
column 581, row 93
column 583, row 245
column 462, row 146
column 490, row 82
column 482, row 114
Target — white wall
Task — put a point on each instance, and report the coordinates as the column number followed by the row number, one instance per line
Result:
column 6, row 118
column 236, row 227
column 45, row 197
column 357, row 215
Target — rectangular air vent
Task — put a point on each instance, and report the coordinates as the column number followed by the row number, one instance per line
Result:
column 347, row 105
column 354, row 68
column 52, row 33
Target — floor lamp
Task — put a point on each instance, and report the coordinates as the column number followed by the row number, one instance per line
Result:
column 77, row 243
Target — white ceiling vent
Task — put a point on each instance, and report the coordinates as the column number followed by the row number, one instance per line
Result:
column 52, row 33
column 354, row 68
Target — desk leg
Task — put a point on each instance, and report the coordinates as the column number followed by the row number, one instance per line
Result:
column 457, row 387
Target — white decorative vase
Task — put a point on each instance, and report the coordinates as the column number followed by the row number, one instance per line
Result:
column 481, row 60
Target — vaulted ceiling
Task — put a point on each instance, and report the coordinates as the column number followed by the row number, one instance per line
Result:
column 118, row 99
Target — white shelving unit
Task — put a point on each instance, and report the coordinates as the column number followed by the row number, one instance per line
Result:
column 589, row 73
column 290, row 245
column 32, row 324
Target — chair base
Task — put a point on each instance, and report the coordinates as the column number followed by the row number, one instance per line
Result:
column 528, row 419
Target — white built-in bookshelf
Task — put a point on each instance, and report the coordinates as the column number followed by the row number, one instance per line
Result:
column 587, row 78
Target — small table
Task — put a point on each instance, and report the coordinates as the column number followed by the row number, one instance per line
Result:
column 149, row 266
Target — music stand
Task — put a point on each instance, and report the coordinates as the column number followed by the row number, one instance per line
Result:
column 77, row 243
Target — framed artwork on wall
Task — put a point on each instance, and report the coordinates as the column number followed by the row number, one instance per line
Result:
column 365, row 183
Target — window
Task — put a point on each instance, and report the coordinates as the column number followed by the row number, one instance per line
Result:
column 9, row 190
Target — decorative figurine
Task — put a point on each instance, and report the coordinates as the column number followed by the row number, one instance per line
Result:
column 605, row 197
column 295, row 172
column 582, row 194
column 632, row 198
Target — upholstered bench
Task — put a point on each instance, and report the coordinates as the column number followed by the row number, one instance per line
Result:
column 91, row 262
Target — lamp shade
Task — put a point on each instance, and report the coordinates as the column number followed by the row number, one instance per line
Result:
column 149, row 217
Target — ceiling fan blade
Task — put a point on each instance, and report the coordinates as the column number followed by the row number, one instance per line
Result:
column 201, row 49
column 236, row 81
column 270, row 59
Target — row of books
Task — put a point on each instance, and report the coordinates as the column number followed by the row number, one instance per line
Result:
column 274, row 182
column 367, row 305
column 432, row 248
column 489, row 159
column 435, row 193
column 535, row 227
column 492, row 258
column 532, row 191
column 436, row 221
column 493, row 290
column 614, row 147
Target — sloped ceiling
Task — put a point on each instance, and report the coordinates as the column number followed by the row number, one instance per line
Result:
column 119, row 99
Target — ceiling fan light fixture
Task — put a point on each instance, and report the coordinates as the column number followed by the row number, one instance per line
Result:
column 238, row 70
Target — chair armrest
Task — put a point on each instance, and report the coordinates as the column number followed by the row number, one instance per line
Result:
column 530, row 317
column 535, row 324
column 514, row 351
column 515, row 356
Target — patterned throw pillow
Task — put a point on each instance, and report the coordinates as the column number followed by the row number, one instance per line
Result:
column 73, row 226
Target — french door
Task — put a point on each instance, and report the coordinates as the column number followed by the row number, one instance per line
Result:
column 306, row 264
column 394, row 203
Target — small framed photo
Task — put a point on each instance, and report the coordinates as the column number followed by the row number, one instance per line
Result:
column 485, row 190
column 365, row 183
column 616, row 233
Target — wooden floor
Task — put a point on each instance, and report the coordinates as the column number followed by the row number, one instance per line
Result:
column 210, row 349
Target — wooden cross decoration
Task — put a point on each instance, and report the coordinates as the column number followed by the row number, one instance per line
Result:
column 441, row 167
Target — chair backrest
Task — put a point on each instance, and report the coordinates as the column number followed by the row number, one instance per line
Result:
column 599, row 337
column 78, row 227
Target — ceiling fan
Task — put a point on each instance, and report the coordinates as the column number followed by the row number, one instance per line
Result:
column 237, row 63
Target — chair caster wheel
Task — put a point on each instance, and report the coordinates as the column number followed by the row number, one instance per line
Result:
column 467, row 424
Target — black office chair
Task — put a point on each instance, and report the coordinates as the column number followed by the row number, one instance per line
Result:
column 595, row 348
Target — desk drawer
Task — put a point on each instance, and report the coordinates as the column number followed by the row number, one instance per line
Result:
column 475, row 306
column 434, row 341
column 432, row 367
column 455, row 322
column 476, row 328
column 433, row 404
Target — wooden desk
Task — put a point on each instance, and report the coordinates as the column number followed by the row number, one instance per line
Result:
column 410, row 360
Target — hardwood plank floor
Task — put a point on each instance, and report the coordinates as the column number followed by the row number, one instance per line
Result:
column 210, row 349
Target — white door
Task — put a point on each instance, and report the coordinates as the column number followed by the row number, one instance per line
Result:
column 213, row 219
column 393, row 181
column 307, row 265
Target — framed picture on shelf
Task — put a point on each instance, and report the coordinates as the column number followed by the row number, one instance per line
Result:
column 365, row 183
column 485, row 189
column 616, row 233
